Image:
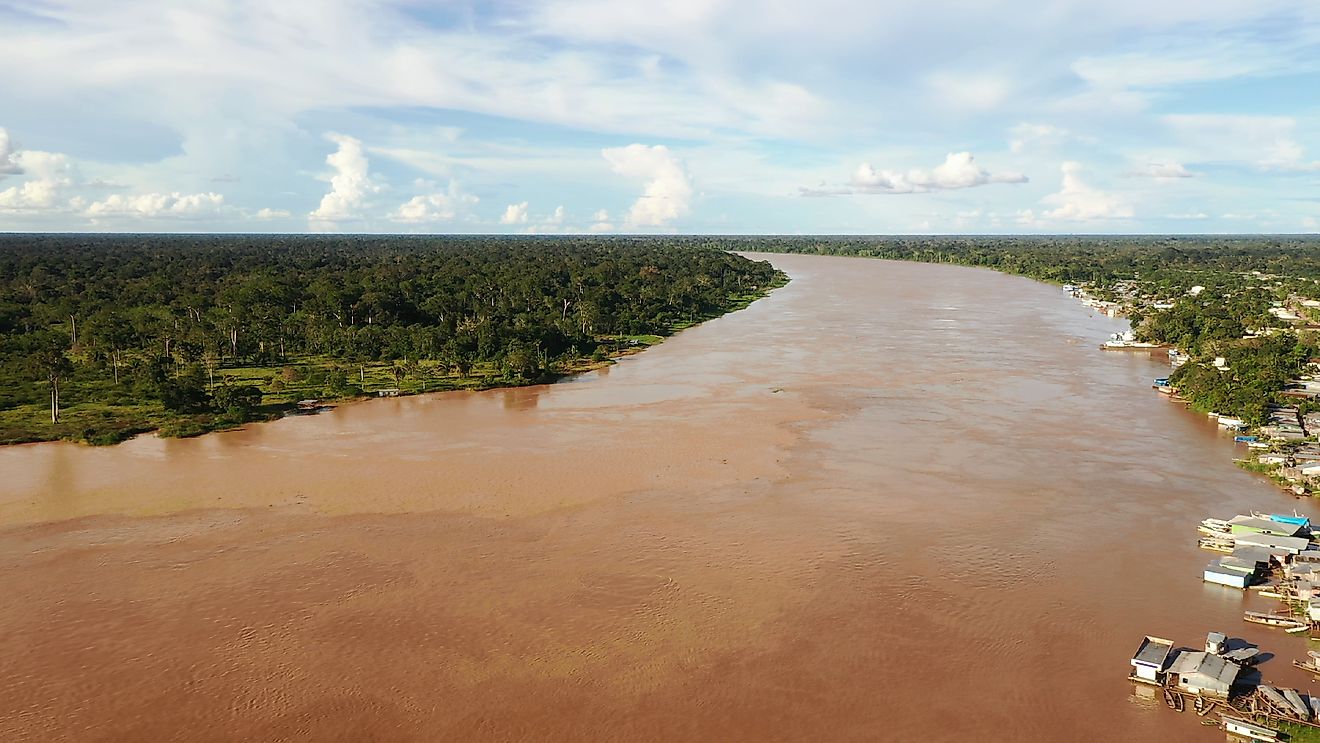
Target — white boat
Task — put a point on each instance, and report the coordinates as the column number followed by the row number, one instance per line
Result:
column 1295, row 700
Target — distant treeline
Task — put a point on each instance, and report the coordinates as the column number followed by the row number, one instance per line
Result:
column 1216, row 322
column 1068, row 258
column 138, row 320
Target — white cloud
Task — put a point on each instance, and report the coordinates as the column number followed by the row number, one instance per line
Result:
column 975, row 91
column 1024, row 137
column 515, row 214
column 434, row 207
column 1149, row 70
column 959, row 170
column 8, row 160
column 268, row 213
column 157, row 205
column 349, row 186
column 48, row 174
column 1165, row 170
column 1267, row 142
column 1079, row 202
column 1310, row 223
column 557, row 217
column 667, row 195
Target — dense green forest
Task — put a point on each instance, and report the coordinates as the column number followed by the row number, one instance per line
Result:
column 105, row 336
column 1239, row 280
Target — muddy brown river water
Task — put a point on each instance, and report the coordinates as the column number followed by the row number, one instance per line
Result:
column 889, row 502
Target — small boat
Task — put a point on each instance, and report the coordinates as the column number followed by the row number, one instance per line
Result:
column 1295, row 701
column 1273, row 696
column 1244, row 439
column 1216, row 544
column 1214, row 526
column 1276, row 620
column 1308, row 667
column 1243, row 656
column 1161, row 382
column 1315, row 655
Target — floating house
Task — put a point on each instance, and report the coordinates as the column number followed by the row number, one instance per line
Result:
column 1206, row 674
column 1257, row 525
column 1275, row 544
column 1248, row 729
column 1151, row 658
column 1229, row 572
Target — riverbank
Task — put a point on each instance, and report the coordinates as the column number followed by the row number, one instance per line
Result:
column 322, row 380
column 756, row 529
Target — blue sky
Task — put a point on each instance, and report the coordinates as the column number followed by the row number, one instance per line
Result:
column 690, row 116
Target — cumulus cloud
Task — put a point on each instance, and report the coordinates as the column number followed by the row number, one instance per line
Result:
column 434, row 207
column 1078, row 202
column 48, row 174
column 557, row 217
column 959, row 170
column 268, row 213
column 8, row 158
column 157, row 205
column 349, row 186
column 667, row 194
column 515, row 214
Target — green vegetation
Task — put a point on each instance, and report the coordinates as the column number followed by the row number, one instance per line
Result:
column 1155, row 280
column 104, row 337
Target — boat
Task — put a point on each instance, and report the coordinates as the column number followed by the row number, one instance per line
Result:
column 1310, row 667
column 1217, row 544
column 1315, row 706
column 1315, row 655
column 1244, row 439
column 1214, row 526
column 1295, row 701
column 1240, row 728
column 1128, row 341
column 1275, row 620
column 1161, row 382
column 1273, row 696
column 1243, row 656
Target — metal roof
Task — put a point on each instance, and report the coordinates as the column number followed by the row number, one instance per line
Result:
column 1153, row 651
column 1205, row 670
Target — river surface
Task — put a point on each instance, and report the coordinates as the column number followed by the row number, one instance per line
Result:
column 891, row 501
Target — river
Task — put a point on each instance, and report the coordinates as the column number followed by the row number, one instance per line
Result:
column 891, row 501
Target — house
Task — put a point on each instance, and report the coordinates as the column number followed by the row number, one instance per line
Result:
column 1254, row 525
column 1202, row 673
column 1248, row 729
column 1272, row 459
column 1149, row 662
column 1272, row 543
column 1227, row 575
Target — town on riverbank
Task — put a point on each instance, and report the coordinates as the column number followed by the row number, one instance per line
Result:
column 1254, row 370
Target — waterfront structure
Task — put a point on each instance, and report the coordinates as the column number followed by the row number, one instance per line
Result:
column 1148, row 665
column 1204, row 673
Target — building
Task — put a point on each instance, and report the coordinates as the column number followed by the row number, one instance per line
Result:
column 1149, row 662
column 1204, row 673
column 1254, row 525
column 1230, row 575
